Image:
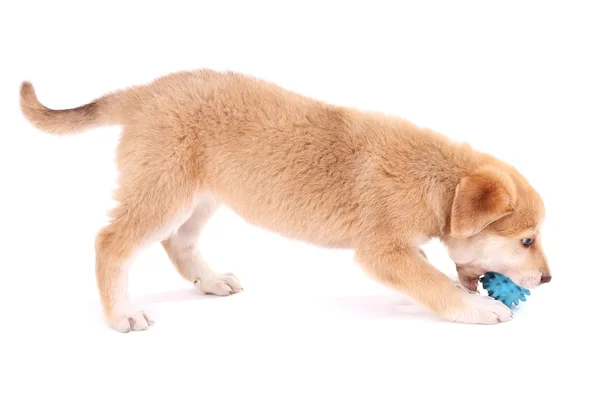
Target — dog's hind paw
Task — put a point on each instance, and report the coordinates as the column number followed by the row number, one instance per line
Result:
column 219, row 284
column 133, row 320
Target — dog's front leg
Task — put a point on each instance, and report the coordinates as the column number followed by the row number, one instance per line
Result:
column 406, row 269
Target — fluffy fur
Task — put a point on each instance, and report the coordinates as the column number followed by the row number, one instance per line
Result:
column 329, row 175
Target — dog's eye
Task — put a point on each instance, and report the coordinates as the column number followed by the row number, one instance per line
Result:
column 527, row 242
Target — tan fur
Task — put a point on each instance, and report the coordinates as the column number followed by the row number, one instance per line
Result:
column 329, row 175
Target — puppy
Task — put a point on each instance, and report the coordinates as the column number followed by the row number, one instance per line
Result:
column 332, row 176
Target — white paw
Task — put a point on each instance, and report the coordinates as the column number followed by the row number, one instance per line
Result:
column 220, row 285
column 132, row 320
column 481, row 310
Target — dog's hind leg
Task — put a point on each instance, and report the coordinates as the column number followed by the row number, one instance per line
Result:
column 182, row 249
column 154, row 199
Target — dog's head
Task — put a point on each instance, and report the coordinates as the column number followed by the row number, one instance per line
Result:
column 495, row 224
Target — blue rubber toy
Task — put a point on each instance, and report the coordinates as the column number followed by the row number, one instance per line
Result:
column 501, row 288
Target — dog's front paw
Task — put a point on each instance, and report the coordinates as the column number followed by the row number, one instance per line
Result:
column 480, row 310
column 131, row 320
column 220, row 285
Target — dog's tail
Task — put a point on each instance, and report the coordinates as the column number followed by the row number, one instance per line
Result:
column 101, row 112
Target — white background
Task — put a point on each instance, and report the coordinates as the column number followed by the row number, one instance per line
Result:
column 518, row 79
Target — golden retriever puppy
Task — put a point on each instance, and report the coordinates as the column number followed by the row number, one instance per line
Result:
column 329, row 175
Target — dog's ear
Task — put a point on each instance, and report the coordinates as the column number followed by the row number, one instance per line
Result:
column 480, row 199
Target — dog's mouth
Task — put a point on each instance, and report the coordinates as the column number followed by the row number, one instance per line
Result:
column 469, row 275
column 470, row 282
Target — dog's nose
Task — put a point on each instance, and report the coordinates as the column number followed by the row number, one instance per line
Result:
column 546, row 278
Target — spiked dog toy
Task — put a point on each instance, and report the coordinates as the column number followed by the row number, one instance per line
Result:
column 501, row 288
